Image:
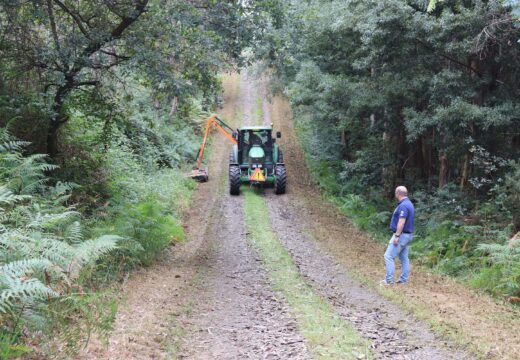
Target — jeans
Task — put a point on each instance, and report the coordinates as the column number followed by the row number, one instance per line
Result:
column 393, row 251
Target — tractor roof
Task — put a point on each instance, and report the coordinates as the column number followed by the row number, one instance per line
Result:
column 256, row 128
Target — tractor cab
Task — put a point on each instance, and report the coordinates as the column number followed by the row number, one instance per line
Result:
column 255, row 147
column 257, row 159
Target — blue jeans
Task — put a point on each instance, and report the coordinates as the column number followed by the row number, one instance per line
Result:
column 393, row 251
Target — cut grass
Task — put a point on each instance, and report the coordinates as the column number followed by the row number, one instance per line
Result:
column 328, row 335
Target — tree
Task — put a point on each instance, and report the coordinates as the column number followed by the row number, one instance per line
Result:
column 64, row 46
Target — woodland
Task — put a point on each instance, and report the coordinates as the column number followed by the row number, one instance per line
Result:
column 422, row 94
column 101, row 109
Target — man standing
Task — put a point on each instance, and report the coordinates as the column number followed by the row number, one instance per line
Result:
column 402, row 229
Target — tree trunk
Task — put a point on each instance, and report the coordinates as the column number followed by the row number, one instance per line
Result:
column 465, row 171
column 443, row 170
column 58, row 117
column 52, row 139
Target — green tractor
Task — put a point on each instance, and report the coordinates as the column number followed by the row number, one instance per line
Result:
column 256, row 159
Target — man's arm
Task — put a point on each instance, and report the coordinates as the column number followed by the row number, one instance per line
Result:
column 399, row 230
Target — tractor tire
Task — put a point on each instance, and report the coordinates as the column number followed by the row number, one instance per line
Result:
column 280, row 156
column 234, row 180
column 281, row 180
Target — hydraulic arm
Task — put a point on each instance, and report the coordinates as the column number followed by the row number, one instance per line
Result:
column 212, row 122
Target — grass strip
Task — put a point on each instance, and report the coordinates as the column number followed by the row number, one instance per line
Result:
column 328, row 335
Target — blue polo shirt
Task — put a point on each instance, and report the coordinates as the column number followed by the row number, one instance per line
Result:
column 405, row 210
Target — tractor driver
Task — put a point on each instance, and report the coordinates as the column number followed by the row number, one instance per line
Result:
column 254, row 139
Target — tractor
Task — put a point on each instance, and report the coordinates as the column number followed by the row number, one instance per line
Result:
column 255, row 157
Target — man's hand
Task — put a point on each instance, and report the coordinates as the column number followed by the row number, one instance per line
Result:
column 399, row 230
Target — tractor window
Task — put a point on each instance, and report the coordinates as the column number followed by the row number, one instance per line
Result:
column 249, row 138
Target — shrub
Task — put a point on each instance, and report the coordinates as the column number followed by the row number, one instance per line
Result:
column 45, row 261
column 151, row 226
column 501, row 274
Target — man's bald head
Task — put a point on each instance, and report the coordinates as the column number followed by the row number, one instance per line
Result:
column 401, row 192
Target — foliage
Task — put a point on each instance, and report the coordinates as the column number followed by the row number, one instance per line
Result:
column 114, row 93
column 423, row 94
column 45, row 259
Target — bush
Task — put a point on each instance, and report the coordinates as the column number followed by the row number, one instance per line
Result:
column 46, row 262
column 501, row 272
column 149, row 224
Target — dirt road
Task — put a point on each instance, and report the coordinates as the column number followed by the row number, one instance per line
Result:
column 213, row 297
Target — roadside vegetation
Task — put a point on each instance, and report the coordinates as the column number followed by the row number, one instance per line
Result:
column 101, row 105
column 424, row 95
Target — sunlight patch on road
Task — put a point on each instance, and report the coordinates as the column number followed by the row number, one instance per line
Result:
column 328, row 335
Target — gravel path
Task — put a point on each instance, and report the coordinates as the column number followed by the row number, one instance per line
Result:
column 394, row 334
column 211, row 298
column 236, row 314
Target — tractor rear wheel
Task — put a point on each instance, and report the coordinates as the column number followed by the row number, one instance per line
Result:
column 281, row 180
column 234, row 180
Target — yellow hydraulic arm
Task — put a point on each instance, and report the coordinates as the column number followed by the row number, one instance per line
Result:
column 213, row 121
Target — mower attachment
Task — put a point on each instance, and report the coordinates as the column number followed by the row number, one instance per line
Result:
column 200, row 175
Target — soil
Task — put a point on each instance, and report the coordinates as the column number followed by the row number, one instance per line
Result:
column 210, row 298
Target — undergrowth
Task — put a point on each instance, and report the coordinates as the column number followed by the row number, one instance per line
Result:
column 63, row 244
column 455, row 234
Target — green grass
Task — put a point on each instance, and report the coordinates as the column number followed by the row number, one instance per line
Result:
column 328, row 335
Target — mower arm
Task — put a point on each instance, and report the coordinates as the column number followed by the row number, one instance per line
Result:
column 214, row 121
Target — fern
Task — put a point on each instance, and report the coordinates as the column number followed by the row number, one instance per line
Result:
column 20, row 268
column 73, row 232
column 14, row 145
column 502, row 254
column 44, row 254
column 89, row 251
column 24, row 175
column 17, row 293
column 8, row 198
column 18, row 287
column 504, row 272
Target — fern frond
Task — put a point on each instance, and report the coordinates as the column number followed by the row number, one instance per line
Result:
column 14, row 145
column 16, row 291
column 8, row 198
column 91, row 250
column 34, row 186
column 40, row 221
column 20, row 268
column 73, row 232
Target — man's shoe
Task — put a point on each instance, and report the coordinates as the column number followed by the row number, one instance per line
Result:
column 401, row 282
column 385, row 283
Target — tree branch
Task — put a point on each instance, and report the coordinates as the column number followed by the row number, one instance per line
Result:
column 75, row 17
column 122, row 57
column 96, row 45
column 449, row 58
column 87, row 83
column 54, row 31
